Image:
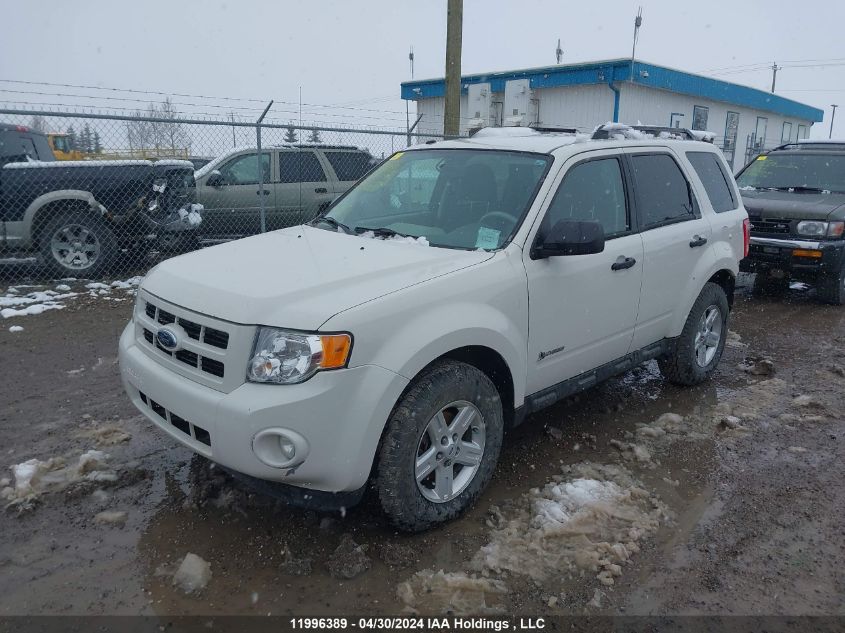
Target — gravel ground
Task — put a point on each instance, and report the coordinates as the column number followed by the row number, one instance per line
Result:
column 603, row 504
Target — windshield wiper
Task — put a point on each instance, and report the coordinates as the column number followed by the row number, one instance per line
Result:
column 799, row 188
column 380, row 231
column 332, row 222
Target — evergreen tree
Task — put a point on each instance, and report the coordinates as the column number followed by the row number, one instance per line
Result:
column 85, row 139
column 290, row 133
column 314, row 136
column 98, row 148
column 71, row 137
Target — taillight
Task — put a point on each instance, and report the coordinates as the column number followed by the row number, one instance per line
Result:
column 746, row 237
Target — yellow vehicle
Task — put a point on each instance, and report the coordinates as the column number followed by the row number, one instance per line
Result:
column 60, row 143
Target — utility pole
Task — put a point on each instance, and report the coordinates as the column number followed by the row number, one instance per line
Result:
column 407, row 113
column 234, row 142
column 638, row 21
column 775, row 69
column 454, row 32
column 832, row 116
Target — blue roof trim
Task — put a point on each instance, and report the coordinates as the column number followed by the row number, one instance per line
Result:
column 659, row 77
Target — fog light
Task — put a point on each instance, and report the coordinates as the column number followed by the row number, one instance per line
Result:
column 288, row 447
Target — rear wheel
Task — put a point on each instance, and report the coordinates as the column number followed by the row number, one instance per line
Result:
column 441, row 446
column 697, row 351
column 77, row 244
column 831, row 287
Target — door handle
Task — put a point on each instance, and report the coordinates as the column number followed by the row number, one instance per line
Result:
column 266, row 192
column 697, row 240
column 623, row 262
column 321, row 190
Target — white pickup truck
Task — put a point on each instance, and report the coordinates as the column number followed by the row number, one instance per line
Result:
column 457, row 288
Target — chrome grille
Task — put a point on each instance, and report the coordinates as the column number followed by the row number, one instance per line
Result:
column 208, row 344
column 770, row 226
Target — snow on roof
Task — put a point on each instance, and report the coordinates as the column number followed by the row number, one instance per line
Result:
column 37, row 164
column 173, row 162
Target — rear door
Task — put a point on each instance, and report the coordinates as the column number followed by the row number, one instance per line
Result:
column 302, row 187
column 675, row 236
column 583, row 309
column 349, row 166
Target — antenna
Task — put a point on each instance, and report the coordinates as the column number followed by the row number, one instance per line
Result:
column 637, row 23
column 411, row 60
column 558, row 51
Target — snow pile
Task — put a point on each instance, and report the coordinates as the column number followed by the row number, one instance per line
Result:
column 35, row 477
column 13, row 304
column 193, row 574
column 454, row 593
column 16, row 328
column 590, row 519
column 192, row 216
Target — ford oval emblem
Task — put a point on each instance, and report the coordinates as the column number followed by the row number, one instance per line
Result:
column 168, row 339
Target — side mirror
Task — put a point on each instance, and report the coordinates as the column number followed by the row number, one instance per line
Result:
column 215, row 179
column 570, row 237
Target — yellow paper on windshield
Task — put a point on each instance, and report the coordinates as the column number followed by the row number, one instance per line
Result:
column 762, row 157
column 381, row 177
column 396, row 155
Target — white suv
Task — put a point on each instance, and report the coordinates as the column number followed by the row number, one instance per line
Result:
column 457, row 288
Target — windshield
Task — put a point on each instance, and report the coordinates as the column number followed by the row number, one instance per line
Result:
column 61, row 143
column 454, row 198
column 800, row 171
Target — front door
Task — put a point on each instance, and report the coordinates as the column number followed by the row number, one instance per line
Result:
column 582, row 308
column 234, row 208
column 675, row 237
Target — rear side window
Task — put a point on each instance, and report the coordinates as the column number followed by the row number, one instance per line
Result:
column 715, row 180
column 593, row 190
column 349, row 165
column 663, row 194
column 300, row 167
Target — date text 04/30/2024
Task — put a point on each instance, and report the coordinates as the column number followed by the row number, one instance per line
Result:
column 419, row 624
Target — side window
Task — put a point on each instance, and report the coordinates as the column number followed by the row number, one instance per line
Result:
column 29, row 148
column 349, row 165
column 716, row 182
column 300, row 167
column 243, row 170
column 593, row 190
column 663, row 194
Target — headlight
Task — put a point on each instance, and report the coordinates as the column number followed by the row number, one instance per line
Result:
column 812, row 228
column 284, row 357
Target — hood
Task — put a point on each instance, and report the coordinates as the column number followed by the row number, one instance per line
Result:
column 784, row 205
column 298, row 277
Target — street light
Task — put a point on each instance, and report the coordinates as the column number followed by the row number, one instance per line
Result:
column 832, row 116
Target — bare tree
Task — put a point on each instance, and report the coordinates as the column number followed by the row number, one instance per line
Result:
column 38, row 123
column 170, row 134
column 175, row 134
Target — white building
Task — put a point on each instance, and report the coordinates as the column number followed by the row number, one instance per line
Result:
column 744, row 120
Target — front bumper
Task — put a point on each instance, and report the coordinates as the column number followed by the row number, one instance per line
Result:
column 339, row 414
column 767, row 253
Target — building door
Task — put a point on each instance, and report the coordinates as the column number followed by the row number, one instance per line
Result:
column 731, row 131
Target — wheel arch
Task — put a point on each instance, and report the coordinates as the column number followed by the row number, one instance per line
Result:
column 38, row 213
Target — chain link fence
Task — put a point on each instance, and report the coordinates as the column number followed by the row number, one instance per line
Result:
column 92, row 196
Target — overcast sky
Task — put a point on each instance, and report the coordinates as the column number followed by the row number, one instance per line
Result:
column 355, row 54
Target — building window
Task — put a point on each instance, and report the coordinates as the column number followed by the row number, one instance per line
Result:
column 699, row 117
column 675, row 119
column 760, row 133
column 802, row 132
column 786, row 135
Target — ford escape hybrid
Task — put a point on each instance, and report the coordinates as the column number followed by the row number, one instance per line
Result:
column 457, row 288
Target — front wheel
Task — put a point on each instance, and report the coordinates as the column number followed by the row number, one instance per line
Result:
column 441, row 446
column 696, row 352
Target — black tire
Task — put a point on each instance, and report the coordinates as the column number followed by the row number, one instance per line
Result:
column 830, row 288
column 401, row 497
column 680, row 366
column 99, row 233
column 766, row 285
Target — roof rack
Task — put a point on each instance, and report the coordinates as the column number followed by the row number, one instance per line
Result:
column 609, row 129
column 805, row 144
column 315, row 145
column 539, row 127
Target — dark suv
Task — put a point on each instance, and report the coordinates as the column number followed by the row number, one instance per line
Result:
column 795, row 197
